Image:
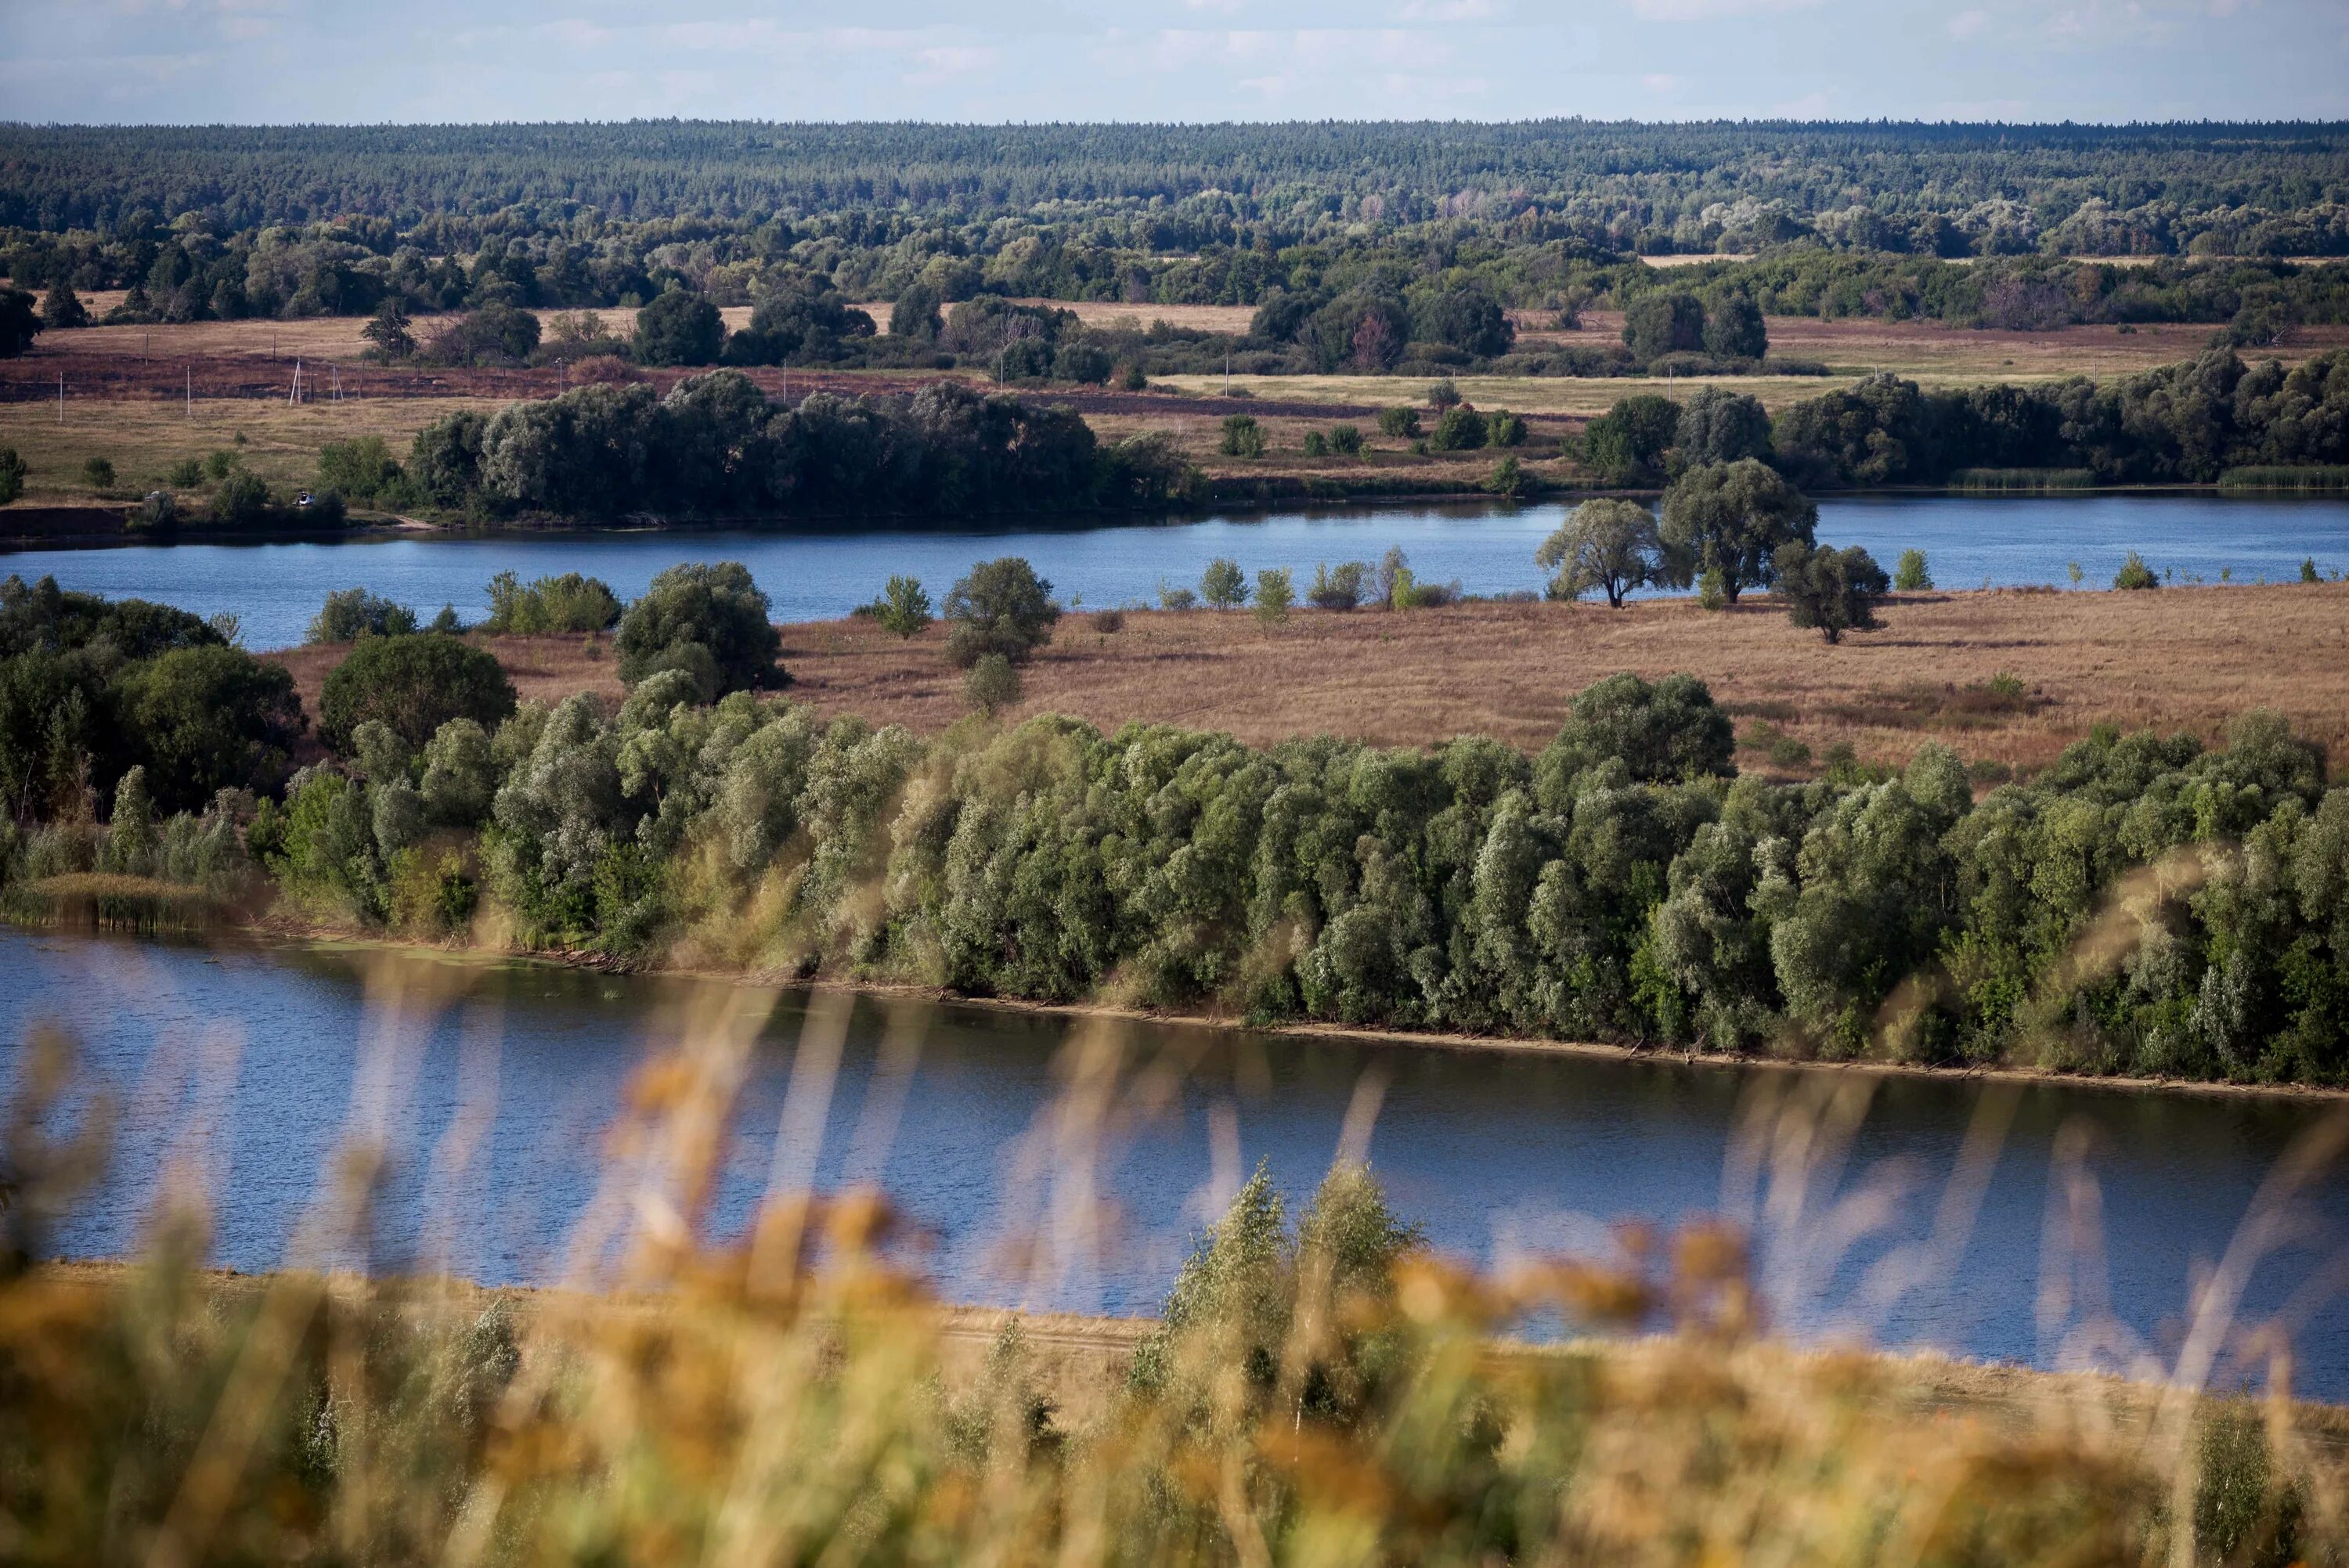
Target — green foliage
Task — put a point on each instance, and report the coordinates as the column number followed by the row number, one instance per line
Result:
column 1399, row 421
column 207, row 718
column 1503, row 429
column 1337, row 588
column 1242, row 436
column 1346, row 439
column 1629, row 441
column 1713, row 589
column 904, row 608
column 1667, row 732
column 707, row 619
column 2135, row 573
column 13, row 470
column 680, row 327
column 20, row 322
column 1606, row 544
column 97, row 473
column 1661, row 324
column 1732, row 517
column 1001, row 607
column 1734, row 328
column 1221, row 585
column 1459, row 429
column 1442, row 396
column 1507, row 479
column 363, row 468
column 1316, row 445
column 412, row 683
column 1836, row 591
column 1276, row 592
column 570, row 602
column 1718, row 426
column 992, row 684
column 1911, row 575
column 350, row 614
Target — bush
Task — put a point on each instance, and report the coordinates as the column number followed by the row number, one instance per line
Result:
column 1340, row 589
column 1443, row 396
column 904, row 608
column 1002, row 607
column 1507, row 479
column 1836, row 591
column 1107, row 621
column 992, row 684
column 156, row 513
column 1346, row 439
column 570, row 602
column 1316, row 445
column 350, row 614
column 218, row 464
column 1276, row 591
column 242, row 501
column 1910, row 575
column 13, row 470
column 1399, row 421
column 364, row 468
column 1172, row 596
column 1503, row 429
column 1222, row 586
column 1242, row 436
column 2136, row 574
column 97, row 473
column 681, row 328
column 1459, row 428
column 2308, row 572
column 185, row 474
column 708, row 619
column 204, row 719
column 412, row 685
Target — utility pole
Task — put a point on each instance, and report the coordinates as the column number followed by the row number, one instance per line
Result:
column 192, row 391
column 61, row 397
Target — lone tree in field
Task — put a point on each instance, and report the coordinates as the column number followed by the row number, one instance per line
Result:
column 1222, row 587
column 19, row 323
column 1607, row 544
column 62, row 308
column 707, row 619
column 904, row 608
column 1276, row 591
column 681, row 328
column 1731, row 517
column 1002, row 607
column 389, row 333
column 1834, row 589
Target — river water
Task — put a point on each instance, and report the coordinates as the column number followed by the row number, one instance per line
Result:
column 237, row 1071
column 810, row 574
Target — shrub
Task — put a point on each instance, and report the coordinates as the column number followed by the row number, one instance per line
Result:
column 681, row 328
column 97, row 473
column 1503, row 429
column 156, row 512
column 185, row 474
column 1459, row 428
column 2308, row 572
column 412, row 685
column 904, row 608
column 1713, row 589
column 1222, row 586
column 1910, row 575
column 570, row 602
column 1507, row 479
column 2135, row 573
column 1276, row 591
column 1002, row 607
column 1443, row 396
column 1836, row 591
column 706, row 618
column 350, row 614
column 1346, row 439
column 1316, row 445
column 992, row 684
column 1667, row 732
column 1109, row 621
column 217, row 464
column 13, row 470
column 242, row 501
column 1339, row 589
column 1131, row 379
column 1172, row 596
column 1242, row 436
column 364, row 468
column 204, row 719
column 1399, row 421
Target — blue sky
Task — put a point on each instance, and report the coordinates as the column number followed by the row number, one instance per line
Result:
column 366, row 60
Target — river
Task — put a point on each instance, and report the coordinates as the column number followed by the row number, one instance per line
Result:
column 1499, row 1155
column 811, row 574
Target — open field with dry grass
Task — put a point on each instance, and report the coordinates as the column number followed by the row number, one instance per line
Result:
column 2182, row 658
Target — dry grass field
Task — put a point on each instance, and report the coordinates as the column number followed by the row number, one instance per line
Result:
column 2182, row 658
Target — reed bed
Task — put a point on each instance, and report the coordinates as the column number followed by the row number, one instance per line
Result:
column 1321, row 1389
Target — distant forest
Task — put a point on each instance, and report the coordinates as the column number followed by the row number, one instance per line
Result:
column 1975, row 225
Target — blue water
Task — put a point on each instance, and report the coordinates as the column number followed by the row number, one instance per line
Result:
column 494, row 1083
column 274, row 588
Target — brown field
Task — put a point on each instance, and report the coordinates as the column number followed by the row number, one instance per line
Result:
column 2180, row 659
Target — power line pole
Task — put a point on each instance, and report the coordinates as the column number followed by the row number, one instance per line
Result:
column 192, row 391
column 61, row 397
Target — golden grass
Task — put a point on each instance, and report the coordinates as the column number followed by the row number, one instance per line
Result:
column 2181, row 659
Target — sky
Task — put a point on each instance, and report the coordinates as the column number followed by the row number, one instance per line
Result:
column 278, row 61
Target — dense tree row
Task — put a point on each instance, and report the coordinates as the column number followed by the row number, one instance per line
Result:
column 717, row 446
column 1622, row 884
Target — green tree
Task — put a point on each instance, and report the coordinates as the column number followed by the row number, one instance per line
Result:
column 1002, row 607
column 1656, row 324
column 1222, row 586
column 19, row 323
column 1665, row 732
column 680, row 327
column 916, row 314
column 62, row 308
column 97, row 473
column 1276, row 591
column 204, row 719
column 1718, row 426
column 1346, row 441
column 1630, row 438
column 13, row 470
column 391, row 332
column 242, row 501
column 350, row 614
column 992, row 684
column 412, row 685
column 1459, row 429
column 1242, row 436
column 708, row 619
column 362, row 467
column 1605, row 543
column 1399, row 421
column 1911, row 574
column 1731, row 516
column 1734, row 328
column 1836, row 591
column 2135, row 573
column 570, row 602
column 904, row 608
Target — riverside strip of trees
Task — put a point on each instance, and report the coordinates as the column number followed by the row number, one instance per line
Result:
column 2142, row 906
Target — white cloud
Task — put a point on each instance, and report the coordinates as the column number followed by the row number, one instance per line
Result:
column 1967, row 23
column 1712, row 10
column 1449, row 11
column 1662, row 82
column 949, row 61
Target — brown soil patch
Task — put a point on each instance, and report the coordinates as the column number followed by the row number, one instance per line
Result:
column 2182, row 658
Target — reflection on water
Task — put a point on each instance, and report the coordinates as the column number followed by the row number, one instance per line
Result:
column 276, row 589
column 494, row 1082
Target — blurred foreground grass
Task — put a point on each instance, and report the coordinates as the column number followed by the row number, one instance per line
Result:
column 1322, row 1389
